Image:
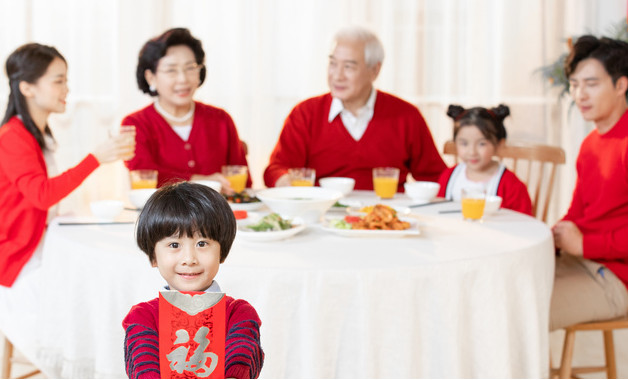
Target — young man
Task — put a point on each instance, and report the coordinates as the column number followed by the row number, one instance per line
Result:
column 592, row 270
column 355, row 128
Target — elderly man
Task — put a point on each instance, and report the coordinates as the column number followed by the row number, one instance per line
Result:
column 355, row 128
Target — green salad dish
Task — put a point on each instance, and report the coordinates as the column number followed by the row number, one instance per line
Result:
column 271, row 222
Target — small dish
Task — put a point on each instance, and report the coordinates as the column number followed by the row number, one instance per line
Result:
column 492, row 204
column 251, row 206
column 215, row 185
column 106, row 210
column 343, row 184
column 139, row 197
column 421, row 191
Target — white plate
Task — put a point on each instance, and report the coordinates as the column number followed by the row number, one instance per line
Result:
column 251, row 235
column 346, row 203
column 412, row 230
column 401, row 210
column 251, row 206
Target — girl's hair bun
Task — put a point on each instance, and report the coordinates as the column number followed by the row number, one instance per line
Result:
column 501, row 112
column 455, row 110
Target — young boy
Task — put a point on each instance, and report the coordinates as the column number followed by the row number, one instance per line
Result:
column 187, row 230
column 592, row 270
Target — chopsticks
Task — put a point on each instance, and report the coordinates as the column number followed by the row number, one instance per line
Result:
column 430, row 203
column 91, row 223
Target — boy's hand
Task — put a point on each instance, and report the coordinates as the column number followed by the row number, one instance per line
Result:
column 568, row 238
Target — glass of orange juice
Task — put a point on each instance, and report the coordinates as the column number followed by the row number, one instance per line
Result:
column 128, row 131
column 302, row 176
column 473, row 201
column 236, row 175
column 385, row 182
column 143, row 179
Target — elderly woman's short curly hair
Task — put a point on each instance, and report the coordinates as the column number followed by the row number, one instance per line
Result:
column 156, row 48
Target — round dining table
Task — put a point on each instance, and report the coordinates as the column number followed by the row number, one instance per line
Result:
column 458, row 299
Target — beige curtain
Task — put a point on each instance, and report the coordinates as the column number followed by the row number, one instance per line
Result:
column 264, row 56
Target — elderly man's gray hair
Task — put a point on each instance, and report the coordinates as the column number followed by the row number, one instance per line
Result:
column 373, row 48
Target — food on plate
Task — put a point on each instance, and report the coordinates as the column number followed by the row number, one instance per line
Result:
column 240, row 214
column 380, row 217
column 340, row 224
column 367, row 208
column 271, row 222
column 242, row 197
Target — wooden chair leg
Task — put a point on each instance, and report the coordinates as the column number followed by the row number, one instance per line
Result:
column 565, row 362
column 609, row 353
column 6, row 359
column 29, row 374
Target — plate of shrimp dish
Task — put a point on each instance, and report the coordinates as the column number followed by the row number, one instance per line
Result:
column 381, row 221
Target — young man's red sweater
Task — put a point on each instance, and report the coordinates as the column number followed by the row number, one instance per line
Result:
column 600, row 200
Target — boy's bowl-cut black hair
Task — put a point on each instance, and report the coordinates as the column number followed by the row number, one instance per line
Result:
column 185, row 208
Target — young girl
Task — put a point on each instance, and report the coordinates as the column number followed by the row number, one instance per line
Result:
column 29, row 186
column 478, row 134
column 186, row 230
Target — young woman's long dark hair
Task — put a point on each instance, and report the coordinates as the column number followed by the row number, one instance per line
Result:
column 27, row 63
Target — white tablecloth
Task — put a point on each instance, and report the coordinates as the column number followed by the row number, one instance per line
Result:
column 462, row 299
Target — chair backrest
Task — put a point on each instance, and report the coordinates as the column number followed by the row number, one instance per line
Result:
column 529, row 163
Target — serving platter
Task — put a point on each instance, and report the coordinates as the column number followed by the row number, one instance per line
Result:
column 412, row 230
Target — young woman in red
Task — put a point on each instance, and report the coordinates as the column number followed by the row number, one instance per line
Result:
column 29, row 186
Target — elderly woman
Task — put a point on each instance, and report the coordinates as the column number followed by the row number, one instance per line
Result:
column 180, row 138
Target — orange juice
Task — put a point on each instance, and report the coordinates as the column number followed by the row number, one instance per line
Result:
column 385, row 187
column 144, row 184
column 302, row 176
column 301, row 182
column 473, row 208
column 237, row 181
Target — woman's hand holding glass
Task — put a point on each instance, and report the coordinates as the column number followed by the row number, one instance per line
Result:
column 118, row 147
column 226, row 185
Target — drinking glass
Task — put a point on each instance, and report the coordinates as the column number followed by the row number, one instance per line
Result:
column 302, row 176
column 473, row 201
column 128, row 132
column 143, row 179
column 236, row 175
column 385, row 182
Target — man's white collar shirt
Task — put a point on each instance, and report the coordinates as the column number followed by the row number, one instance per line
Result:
column 356, row 125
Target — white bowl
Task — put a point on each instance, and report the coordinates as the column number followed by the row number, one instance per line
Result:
column 213, row 184
column 107, row 209
column 309, row 203
column 343, row 184
column 492, row 204
column 138, row 197
column 422, row 190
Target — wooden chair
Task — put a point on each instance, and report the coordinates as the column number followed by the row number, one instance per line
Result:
column 8, row 359
column 529, row 162
column 566, row 371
